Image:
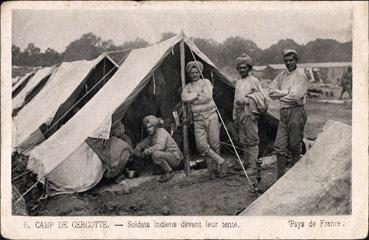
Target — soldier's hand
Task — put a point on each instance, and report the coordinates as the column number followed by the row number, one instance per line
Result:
column 147, row 152
column 273, row 95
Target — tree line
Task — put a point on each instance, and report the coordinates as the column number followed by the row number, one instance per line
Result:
column 223, row 54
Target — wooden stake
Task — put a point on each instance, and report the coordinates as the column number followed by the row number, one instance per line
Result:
column 184, row 110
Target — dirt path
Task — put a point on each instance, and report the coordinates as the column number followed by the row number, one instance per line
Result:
column 190, row 196
column 194, row 195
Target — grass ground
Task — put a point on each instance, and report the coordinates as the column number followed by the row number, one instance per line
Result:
column 319, row 113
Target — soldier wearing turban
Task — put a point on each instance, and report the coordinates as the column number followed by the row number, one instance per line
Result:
column 290, row 88
column 248, row 95
column 244, row 59
column 162, row 148
column 199, row 95
column 194, row 64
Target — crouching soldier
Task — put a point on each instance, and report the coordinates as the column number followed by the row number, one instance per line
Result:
column 199, row 94
column 249, row 103
column 162, row 148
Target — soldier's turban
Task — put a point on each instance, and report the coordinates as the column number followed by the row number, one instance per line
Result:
column 289, row 51
column 154, row 121
column 243, row 59
column 194, row 64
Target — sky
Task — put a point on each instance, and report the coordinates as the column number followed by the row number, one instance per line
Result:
column 57, row 28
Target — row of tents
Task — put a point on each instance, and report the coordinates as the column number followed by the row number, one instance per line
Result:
column 60, row 111
column 324, row 72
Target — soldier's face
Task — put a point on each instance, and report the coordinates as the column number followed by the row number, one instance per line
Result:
column 194, row 74
column 290, row 62
column 243, row 69
column 150, row 129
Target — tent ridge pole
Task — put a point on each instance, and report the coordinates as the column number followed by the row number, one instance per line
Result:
column 184, row 110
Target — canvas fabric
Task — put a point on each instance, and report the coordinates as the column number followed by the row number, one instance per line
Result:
column 109, row 106
column 41, row 74
column 45, row 104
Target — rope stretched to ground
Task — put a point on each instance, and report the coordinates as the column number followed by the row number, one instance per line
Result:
column 29, row 189
column 225, row 143
column 20, row 175
column 226, row 130
column 123, row 50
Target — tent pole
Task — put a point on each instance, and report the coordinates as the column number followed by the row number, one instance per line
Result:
column 184, row 110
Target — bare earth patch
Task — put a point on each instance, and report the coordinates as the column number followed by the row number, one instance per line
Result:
column 194, row 195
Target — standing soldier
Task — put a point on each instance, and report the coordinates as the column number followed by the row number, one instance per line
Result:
column 199, row 94
column 290, row 88
column 346, row 82
column 249, row 102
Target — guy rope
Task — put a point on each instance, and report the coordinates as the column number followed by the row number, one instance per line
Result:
column 252, row 185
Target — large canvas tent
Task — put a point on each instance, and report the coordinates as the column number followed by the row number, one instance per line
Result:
column 67, row 90
column 319, row 184
column 34, row 85
column 148, row 82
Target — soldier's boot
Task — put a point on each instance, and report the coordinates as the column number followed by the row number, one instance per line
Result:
column 281, row 165
column 168, row 172
column 294, row 159
column 223, row 165
column 210, row 163
column 252, row 152
column 258, row 169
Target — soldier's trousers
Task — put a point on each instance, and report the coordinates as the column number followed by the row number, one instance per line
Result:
column 290, row 135
column 248, row 136
column 165, row 160
column 207, row 134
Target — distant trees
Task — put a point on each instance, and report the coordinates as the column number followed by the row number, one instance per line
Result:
column 233, row 47
column 32, row 56
column 210, row 47
column 223, row 54
column 88, row 47
column 166, row 35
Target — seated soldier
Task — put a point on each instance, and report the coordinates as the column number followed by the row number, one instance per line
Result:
column 162, row 148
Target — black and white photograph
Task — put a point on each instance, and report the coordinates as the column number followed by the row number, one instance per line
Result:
column 185, row 120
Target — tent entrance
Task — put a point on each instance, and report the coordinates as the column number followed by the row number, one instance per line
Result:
column 161, row 96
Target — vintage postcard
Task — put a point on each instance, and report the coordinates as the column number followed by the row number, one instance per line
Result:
column 184, row 120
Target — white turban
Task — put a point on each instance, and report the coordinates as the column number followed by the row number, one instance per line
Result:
column 154, row 121
column 194, row 64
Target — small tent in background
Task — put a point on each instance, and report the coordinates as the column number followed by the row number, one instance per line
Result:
column 34, row 86
column 326, row 72
column 21, row 83
column 68, row 89
column 148, row 82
